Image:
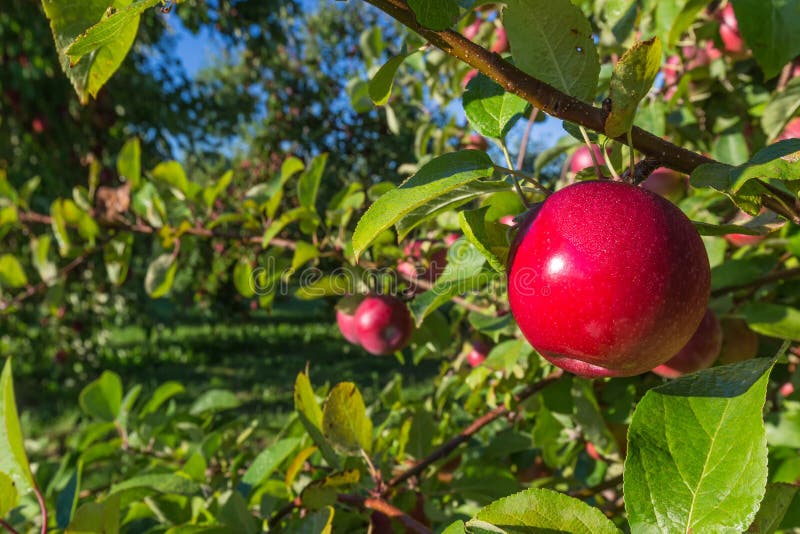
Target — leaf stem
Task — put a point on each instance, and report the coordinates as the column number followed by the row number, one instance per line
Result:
column 513, row 175
column 6, row 525
column 588, row 142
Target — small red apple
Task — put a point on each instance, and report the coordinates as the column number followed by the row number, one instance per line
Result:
column 415, row 249
column 476, row 142
column 729, row 31
column 791, row 131
column 383, row 324
column 471, row 31
column 38, row 125
column 699, row 353
column 697, row 57
column 468, row 76
column 345, row 317
column 508, row 220
column 436, row 264
column 671, row 71
column 500, row 44
column 786, row 389
column 743, row 240
column 739, row 343
column 591, row 450
column 451, row 238
column 582, row 158
column 607, row 279
column 478, row 354
column 669, row 184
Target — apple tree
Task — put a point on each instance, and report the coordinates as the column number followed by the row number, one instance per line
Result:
column 613, row 317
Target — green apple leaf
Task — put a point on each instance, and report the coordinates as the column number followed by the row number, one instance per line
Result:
column 9, row 496
column 632, row 79
column 117, row 257
column 490, row 109
column 213, row 191
column 416, row 198
column 781, row 108
column 70, row 19
column 243, row 279
column 540, row 510
column 310, row 414
column 552, row 41
column 213, row 401
column 435, row 14
column 129, row 162
column 773, row 508
column 344, row 420
column 96, row 517
column 159, row 482
column 772, row 320
column 380, row 86
column 12, row 275
column 266, row 463
column 308, row 184
column 489, row 237
column 160, row 275
column 102, row 398
column 771, row 28
column 13, row 460
column 697, row 452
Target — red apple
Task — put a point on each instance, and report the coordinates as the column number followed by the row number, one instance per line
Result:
column 451, row 238
column 591, row 450
column 699, row 353
column 476, row 142
column 791, row 131
column 471, row 31
column 729, row 31
column 508, row 220
column 669, row 184
column 38, row 125
column 700, row 57
column 468, row 76
column 436, row 264
column 414, row 249
column 500, row 44
column 739, row 343
column 383, row 324
column 345, row 317
column 582, row 158
column 786, row 389
column 671, row 71
column 607, row 279
column 478, row 354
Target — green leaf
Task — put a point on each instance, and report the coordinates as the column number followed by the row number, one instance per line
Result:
column 772, row 320
column 319, row 522
column 162, row 394
column 456, row 527
column 129, row 162
column 773, row 508
column 303, row 253
column 40, row 257
column 697, row 452
column 488, row 237
column 59, row 226
column 435, row 179
column 108, row 29
column 172, row 174
column 308, row 184
column 68, row 499
column 243, row 278
column 148, row 204
column 588, row 416
column 725, row 229
column 780, row 109
column 13, row 460
column 160, row 275
column 117, row 257
column 771, row 28
column 310, row 415
column 214, row 400
column 380, row 86
column 96, row 517
column 287, row 218
column 11, row 273
column 211, row 192
column 344, row 419
column 103, row 397
column 9, row 497
column 540, row 510
column 332, row 285
column 684, row 19
column 490, row 109
column 235, row 515
column 552, row 41
column 68, row 20
column 435, row 14
column 266, row 463
column 632, row 79
column 162, row 483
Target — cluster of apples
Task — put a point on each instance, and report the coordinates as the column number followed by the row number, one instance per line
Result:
column 381, row 324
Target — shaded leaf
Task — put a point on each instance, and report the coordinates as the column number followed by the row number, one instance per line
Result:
column 266, row 463
column 344, row 419
column 435, row 14
column 103, row 397
column 11, row 273
column 632, row 79
column 160, row 275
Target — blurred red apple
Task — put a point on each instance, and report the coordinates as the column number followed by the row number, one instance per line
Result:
column 729, row 31
column 669, row 184
column 478, row 354
column 468, row 76
column 345, row 317
column 582, row 158
column 508, row 220
column 383, row 324
column 476, row 142
column 500, row 44
column 471, row 31
column 699, row 353
column 743, row 240
column 791, row 131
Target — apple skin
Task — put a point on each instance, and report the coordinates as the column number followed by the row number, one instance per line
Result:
column 345, row 317
column 729, row 31
column 476, row 142
column 468, row 77
column 669, row 184
column 500, row 44
column 383, row 324
column 607, row 279
column 791, row 131
column 699, row 353
column 471, row 31
column 739, row 343
column 508, row 220
column 478, row 354
column 582, row 158
column 591, row 450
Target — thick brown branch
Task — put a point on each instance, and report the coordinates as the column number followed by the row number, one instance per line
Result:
column 379, row 505
column 541, row 95
column 468, row 432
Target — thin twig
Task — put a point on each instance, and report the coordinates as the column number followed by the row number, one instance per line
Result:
column 6, row 525
column 588, row 142
column 775, row 277
column 473, row 428
column 585, row 493
column 379, row 505
column 523, row 146
column 43, row 507
column 275, row 520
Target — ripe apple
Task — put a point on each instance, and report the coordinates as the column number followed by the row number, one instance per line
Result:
column 451, row 238
column 500, row 44
column 478, row 354
column 591, row 450
column 468, row 76
column 415, row 249
column 699, row 353
column 476, row 142
column 383, row 324
column 582, row 158
column 786, row 389
column 697, row 57
column 471, row 31
column 791, row 131
column 739, row 343
column 667, row 183
column 508, row 220
column 671, row 71
column 729, row 31
column 436, row 264
column 345, row 317
column 607, row 279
